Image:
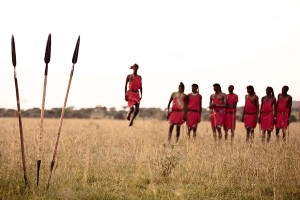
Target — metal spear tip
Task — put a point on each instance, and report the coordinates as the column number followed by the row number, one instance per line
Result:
column 75, row 55
column 48, row 50
column 13, row 51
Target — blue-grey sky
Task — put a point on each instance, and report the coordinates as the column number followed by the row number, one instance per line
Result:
column 205, row 42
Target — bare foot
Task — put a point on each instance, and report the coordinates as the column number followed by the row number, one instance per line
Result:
column 131, row 123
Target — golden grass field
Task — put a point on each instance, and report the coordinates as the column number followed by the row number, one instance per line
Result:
column 105, row 159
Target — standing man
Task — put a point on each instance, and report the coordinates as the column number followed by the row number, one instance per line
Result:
column 132, row 93
column 177, row 114
column 217, row 105
column 283, row 112
column 266, row 118
column 194, row 110
column 250, row 113
column 230, row 112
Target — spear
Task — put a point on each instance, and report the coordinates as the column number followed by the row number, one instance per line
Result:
column 74, row 60
column 14, row 62
column 39, row 153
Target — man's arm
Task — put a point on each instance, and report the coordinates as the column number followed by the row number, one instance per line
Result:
column 257, row 106
column 290, row 101
column 200, row 104
column 244, row 109
column 126, row 82
column 211, row 104
column 141, row 91
column 259, row 117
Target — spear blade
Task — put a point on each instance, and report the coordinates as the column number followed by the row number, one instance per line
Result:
column 48, row 50
column 76, row 51
column 13, row 51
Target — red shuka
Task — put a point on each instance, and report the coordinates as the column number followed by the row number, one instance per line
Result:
column 217, row 114
column 266, row 115
column 177, row 113
column 250, row 114
column 193, row 115
column 230, row 113
column 133, row 95
column 282, row 116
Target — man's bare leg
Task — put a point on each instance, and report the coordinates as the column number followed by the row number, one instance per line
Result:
column 269, row 136
column 232, row 135
column 136, row 111
column 189, row 132
column 226, row 133
column 170, row 132
column 214, row 133
column 177, row 132
column 277, row 134
column 248, row 134
column 263, row 136
column 284, row 135
column 195, row 132
column 219, row 132
column 129, row 113
column 252, row 134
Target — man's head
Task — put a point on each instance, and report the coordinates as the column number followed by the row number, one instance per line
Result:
column 269, row 91
column 285, row 89
column 195, row 88
column 134, row 67
column 230, row 89
column 217, row 87
column 250, row 89
column 181, row 87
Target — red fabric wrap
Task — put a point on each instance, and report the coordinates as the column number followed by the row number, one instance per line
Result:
column 133, row 95
column 230, row 113
column 250, row 114
column 282, row 116
column 267, row 116
column 193, row 115
column 217, row 114
column 177, row 113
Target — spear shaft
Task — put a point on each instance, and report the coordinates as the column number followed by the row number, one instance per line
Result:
column 40, row 137
column 74, row 60
column 19, row 109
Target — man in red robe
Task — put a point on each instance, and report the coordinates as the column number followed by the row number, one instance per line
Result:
column 177, row 114
column 230, row 112
column 266, row 118
column 283, row 111
column 250, row 114
column 194, row 110
column 217, row 105
column 133, row 93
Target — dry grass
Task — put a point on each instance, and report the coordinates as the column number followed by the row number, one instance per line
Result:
column 104, row 159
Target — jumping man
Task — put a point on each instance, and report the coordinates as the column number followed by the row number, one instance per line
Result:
column 132, row 94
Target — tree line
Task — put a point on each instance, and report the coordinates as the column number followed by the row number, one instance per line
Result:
column 102, row 112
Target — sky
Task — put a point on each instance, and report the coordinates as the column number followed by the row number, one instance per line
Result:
column 234, row 42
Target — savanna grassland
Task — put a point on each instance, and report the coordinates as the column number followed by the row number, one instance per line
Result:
column 105, row 159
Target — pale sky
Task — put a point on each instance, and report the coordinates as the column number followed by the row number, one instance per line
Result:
column 235, row 42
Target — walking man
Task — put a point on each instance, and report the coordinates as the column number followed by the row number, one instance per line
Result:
column 194, row 110
column 217, row 104
column 177, row 114
column 250, row 113
column 283, row 112
column 230, row 112
column 133, row 93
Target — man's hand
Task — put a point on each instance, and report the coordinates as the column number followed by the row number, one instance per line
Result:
column 126, row 98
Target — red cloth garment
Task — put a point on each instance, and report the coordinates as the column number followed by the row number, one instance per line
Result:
column 193, row 115
column 230, row 113
column 282, row 116
column 250, row 114
column 267, row 116
column 177, row 113
column 217, row 114
column 133, row 95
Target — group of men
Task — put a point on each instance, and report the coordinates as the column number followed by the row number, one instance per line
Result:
column 188, row 108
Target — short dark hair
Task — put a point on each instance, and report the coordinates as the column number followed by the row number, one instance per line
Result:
column 195, row 85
